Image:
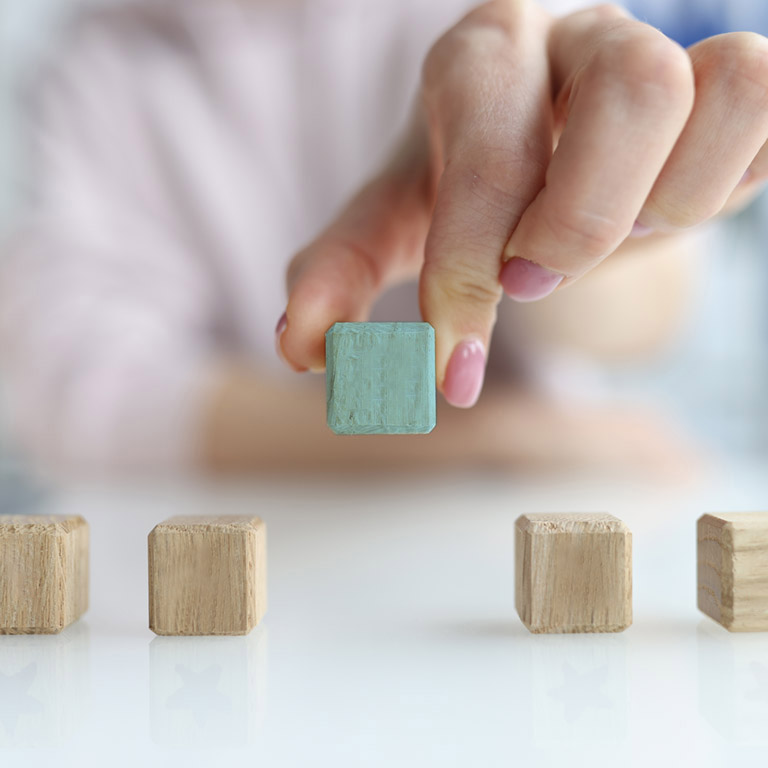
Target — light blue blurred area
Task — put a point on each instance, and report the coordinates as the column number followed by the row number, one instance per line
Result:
column 689, row 21
column 714, row 379
column 26, row 31
column 723, row 377
column 717, row 378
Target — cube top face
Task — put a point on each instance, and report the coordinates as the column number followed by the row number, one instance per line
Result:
column 380, row 378
column 39, row 524
column 732, row 569
column 738, row 521
column 43, row 572
column 218, row 524
column 567, row 523
column 573, row 573
column 207, row 575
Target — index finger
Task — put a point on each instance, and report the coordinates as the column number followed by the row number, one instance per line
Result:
column 486, row 88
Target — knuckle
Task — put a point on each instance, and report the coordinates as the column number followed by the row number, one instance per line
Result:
column 649, row 65
column 342, row 260
column 362, row 263
column 492, row 14
column 608, row 12
column 591, row 235
column 447, row 61
column 453, row 55
column 489, row 193
column 458, row 50
column 682, row 212
column 438, row 58
column 463, row 281
column 740, row 60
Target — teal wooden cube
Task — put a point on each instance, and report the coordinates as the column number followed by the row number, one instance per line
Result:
column 380, row 378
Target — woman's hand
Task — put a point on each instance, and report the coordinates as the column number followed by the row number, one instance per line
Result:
column 541, row 146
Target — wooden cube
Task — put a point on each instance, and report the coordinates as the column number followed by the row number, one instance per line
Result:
column 43, row 573
column 573, row 573
column 380, row 378
column 732, row 554
column 207, row 575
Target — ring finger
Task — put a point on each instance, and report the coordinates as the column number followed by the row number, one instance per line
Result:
column 724, row 134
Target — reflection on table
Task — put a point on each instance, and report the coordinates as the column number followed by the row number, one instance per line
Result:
column 44, row 686
column 733, row 683
column 207, row 690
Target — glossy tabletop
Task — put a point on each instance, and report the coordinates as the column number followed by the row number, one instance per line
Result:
column 391, row 638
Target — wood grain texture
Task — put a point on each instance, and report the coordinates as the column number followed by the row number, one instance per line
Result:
column 207, row 575
column 573, row 573
column 732, row 569
column 43, row 572
column 380, row 378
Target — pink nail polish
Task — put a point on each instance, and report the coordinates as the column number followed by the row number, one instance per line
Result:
column 523, row 280
column 640, row 230
column 465, row 373
column 282, row 324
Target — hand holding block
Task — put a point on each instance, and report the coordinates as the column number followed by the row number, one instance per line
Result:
column 573, row 573
column 380, row 378
column 207, row 575
column 43, row 573
column 732, row 556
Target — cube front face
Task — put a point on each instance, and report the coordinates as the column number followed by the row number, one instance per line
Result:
column 380, row 378
column 43, row 572
column 207, row 576
column 573, row 573
column 732, row 570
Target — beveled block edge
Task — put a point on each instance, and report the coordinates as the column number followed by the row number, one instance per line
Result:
column 581, row 629
column 570, row 523
column 414, row 327
column 11, row 525
column 719, row 610
column 379, row 429
column 236, row 524
column 54, row 629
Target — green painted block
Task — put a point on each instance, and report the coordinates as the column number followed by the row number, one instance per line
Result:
column 380, row 378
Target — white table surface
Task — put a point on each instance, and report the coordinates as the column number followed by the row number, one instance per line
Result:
column 392, row 640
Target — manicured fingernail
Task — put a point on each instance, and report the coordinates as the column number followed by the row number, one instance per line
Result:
column 523, row 280
column 640, row 230
column 282, row 324
column 464, row 374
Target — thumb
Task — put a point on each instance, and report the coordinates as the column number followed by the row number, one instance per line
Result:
column 377, row 241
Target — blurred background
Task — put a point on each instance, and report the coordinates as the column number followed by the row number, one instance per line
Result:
column 27, row 30
column 391, row 602
column 713, row 377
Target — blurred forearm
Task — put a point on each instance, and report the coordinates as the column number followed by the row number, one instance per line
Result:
column 252, row 424
column 628, row 308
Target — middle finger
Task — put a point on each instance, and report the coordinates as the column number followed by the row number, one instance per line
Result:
column 629, row 92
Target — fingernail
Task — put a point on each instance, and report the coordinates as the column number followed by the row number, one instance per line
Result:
column 282, row 324
column 640, row 230
column 523, row 280
column 464, row 374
